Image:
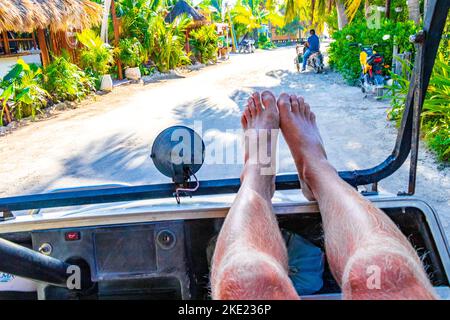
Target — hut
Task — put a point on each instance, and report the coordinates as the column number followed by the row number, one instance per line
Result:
column 31, row 29
column 182, row 7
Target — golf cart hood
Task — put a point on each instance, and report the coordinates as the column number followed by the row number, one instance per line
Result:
column 149, row 210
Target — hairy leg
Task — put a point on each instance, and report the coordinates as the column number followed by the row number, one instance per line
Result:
column 367, row 253
column 250, row 259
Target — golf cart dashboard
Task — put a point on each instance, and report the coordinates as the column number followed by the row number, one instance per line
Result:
column 170, row 259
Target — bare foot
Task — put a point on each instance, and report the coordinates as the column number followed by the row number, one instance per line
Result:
column 260, row 122
column 299, row 128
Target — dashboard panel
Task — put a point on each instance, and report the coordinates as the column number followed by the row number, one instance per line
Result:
column 154, row 252
column 170, row 259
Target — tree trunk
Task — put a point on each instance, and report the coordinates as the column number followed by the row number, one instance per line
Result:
column 116, row 38
column 414, row 11
column 342, row 17
column 366, row 8
column 313, row 4
column 388, row 8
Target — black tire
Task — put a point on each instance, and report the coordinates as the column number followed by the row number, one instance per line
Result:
column 315, row 66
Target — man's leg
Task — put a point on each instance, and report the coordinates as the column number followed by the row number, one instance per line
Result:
column 368, row 255
column 305, row 59
column 250, row 259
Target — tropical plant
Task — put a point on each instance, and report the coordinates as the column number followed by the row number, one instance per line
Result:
column 345, row 59
column 264, row 42
column 353, row 7
column 131, row 52
column 436, row 108
column 135, row 16
column 292, row 27
column 314, row 12
column 167, row 42
column 66, row 81
column 399, row 90
column 204, row 43
column 96, row 57
column 250, row 15
column 23, row 86
column 216, row 9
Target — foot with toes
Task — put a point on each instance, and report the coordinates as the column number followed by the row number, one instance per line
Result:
column 298, row 125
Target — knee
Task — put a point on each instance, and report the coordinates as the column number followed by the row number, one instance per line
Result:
column 376, row 274
column 251, row 276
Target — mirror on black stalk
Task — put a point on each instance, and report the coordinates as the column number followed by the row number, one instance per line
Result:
column 178, row 152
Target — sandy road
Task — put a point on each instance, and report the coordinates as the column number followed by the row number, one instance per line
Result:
column 108, row 140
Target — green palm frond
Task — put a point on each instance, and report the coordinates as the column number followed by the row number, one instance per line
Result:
column 352, row 7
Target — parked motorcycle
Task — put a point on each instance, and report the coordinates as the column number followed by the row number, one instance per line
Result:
column 373, row 78
column 247, row 46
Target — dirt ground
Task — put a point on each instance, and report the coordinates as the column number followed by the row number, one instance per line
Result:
column 108, row 139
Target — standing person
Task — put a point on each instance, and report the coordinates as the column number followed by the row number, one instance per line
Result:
column 313, row 45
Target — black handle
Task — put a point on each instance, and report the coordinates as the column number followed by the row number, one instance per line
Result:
column 23, row 262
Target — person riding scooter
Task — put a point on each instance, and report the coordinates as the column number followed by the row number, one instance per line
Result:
column 313, row 45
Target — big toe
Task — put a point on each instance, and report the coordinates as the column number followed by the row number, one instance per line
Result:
column 269, row 101
column 284, row 105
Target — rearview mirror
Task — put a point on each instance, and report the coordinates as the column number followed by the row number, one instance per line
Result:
column 178, row 152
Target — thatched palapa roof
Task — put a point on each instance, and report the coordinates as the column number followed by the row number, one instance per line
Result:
column 182, row 7
column 58, row 15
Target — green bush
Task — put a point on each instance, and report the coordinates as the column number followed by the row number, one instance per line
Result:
column 167, row 43
column 436, row 108
column 66, row 81
column 96, row 57
column 203, row 42
column 264, row 42
column 131, row 52
column 345, row 59
column 22, row 94
column 398, row 90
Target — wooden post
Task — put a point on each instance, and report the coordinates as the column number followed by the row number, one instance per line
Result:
column 6, row 42
column 45, row 57
column 53, row 43
column 116, row 38
column 34, row 40
column 186, row 46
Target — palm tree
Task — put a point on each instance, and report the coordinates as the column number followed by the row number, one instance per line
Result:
column 314, row 11
column 414, row 10
column 341, row 13
column 253, row 13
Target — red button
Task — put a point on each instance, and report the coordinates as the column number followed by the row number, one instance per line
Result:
column 72, row 236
